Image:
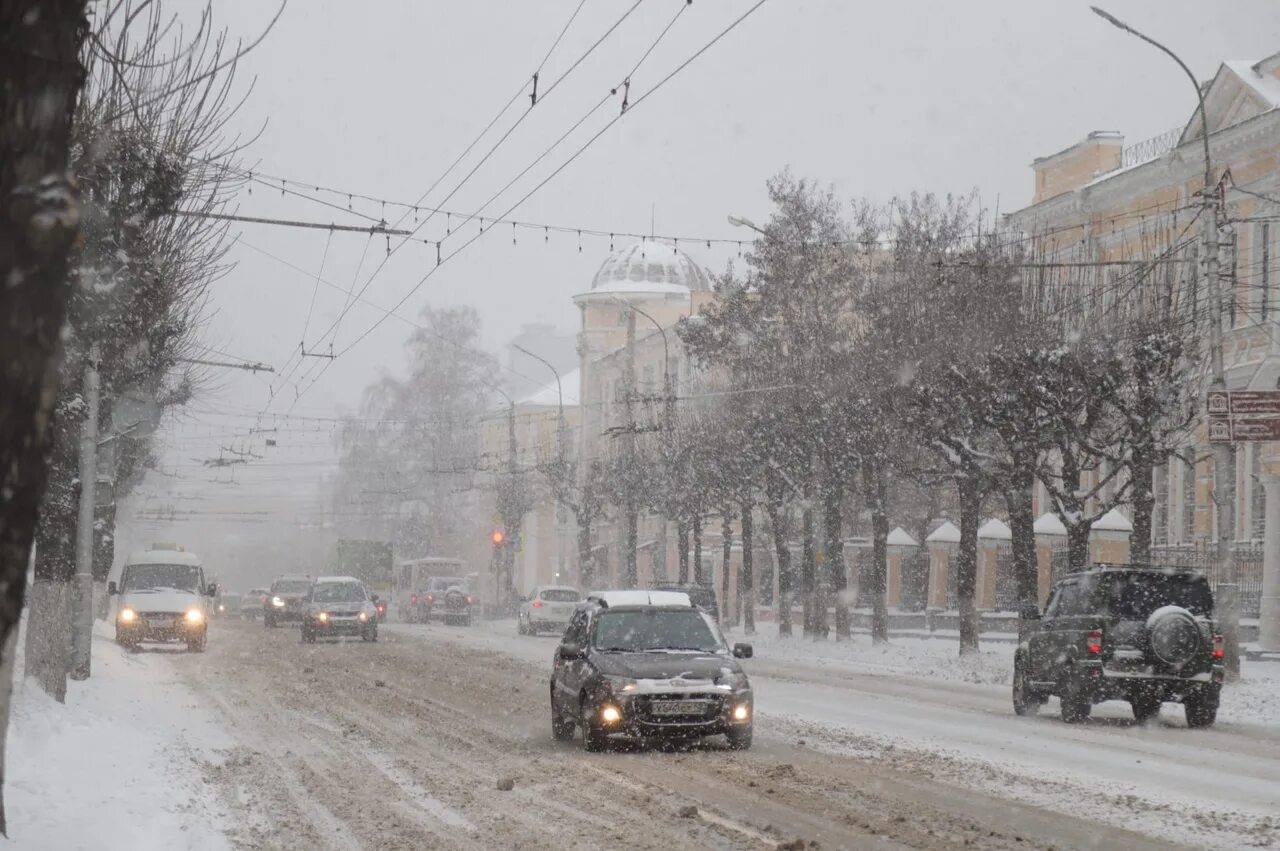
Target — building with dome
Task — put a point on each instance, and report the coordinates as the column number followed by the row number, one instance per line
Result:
column 626, row 340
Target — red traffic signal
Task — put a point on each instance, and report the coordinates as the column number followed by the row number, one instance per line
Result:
column 497, row 537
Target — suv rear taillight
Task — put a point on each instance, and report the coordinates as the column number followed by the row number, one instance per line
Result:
column 1219, row 647
column 468, row 599
column 537, row 604
column 1094, row 643
column 431, row 598
column 413, row 599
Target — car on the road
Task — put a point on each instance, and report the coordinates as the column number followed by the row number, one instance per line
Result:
column 1139, row 634
column 337, row 606
column 446, row 598
column 648, row 664
column 703, row 596
column 284, row 599
column 227, row 606
column 547, row 609
column 254, row 603
column 162, row 596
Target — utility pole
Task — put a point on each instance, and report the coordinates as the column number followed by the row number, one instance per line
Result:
column 82, row 614
column 1228, row 588
column 514, row 485
column 629, row 576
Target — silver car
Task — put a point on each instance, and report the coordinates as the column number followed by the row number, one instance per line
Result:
column 547, row 609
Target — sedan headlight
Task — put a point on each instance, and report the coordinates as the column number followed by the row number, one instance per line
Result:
column 736, row 681
column 363, row 616
column 194, row 616
column 621, row 685
column 277, row 602
column 127, row 615
column 323, row 617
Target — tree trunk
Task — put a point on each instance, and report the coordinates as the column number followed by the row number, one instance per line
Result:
column 586, row 570
column 808, row 569
column 629, row 557
column 1078, row 545
column 967, row 562
column 1026, row 574
column 837, row 579
column 877, row 502
column 660, row 571
column 786, row 579
column 726, row 554
column 746, row 577
column 682, row 544
column 1142, row 466
column 49, row 620
column 699, row 571
column 40, row 78
column 104, row 552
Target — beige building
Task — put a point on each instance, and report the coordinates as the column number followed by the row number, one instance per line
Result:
column 1102, row 201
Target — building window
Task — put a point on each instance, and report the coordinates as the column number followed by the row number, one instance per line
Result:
column 1160, row 510
column 1189, row 497
column 1258, row 498
column 1264, row 278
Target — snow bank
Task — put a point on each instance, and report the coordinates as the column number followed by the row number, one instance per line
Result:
column 120, row 765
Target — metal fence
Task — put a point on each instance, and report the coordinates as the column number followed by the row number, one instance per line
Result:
column 1202, row 557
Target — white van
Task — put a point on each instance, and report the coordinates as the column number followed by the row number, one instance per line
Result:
column 162, row 596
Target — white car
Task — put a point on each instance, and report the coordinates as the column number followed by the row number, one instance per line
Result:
column 547, row 608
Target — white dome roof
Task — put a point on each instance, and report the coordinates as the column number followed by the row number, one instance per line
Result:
column 650, row 266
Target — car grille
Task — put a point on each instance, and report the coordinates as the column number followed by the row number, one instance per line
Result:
column 709, row 707
column 160, row 619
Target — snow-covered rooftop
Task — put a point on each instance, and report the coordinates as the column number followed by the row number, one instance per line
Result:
column 650, row 266
column 550, row 394
column 1264, row 84
column 947, row 533
column 1049, row 524
column 899, row 537
column 995, row 529
column 1113, row 521
column 641, row 597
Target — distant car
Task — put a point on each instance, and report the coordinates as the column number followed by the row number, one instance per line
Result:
column 703, row 596
column 254, row 603
column 547, row 609
column 337, row 606
column 1124, row 633
column 648, row 664
column 227, row 606
column 284, row 599
column 447, row 598
column 162, row 596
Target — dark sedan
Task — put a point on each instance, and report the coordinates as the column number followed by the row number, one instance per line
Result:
column 648, row 664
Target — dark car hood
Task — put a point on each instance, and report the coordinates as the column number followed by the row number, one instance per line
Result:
column 665, row 666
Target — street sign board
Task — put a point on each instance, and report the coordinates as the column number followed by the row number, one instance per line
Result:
column 1244, row 415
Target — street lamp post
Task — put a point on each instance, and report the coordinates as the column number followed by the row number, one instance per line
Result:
column 560, row 436
column 1228, row 591
column 511, row 524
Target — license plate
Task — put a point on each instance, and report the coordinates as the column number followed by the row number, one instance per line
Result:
column 159, row 623
column 678, row 707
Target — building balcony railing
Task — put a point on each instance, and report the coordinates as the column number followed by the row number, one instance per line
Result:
column 1149, row 149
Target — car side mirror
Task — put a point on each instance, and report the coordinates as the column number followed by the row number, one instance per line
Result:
column 212, row 590
column 1030, row 613
column 742, row 650
column 570, row 650
column 112, row 589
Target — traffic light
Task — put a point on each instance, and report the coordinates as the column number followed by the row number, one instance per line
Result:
column 497, row 537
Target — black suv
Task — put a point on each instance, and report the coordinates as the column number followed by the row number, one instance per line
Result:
column 447, row 598
column 648, row 664
column 1139, row 634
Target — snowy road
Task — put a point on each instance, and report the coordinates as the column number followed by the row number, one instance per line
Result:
column 401, row 744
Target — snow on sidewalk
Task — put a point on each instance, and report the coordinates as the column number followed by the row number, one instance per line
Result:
column 120, row 765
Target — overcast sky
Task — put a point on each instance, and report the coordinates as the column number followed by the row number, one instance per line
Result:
column 875, row 98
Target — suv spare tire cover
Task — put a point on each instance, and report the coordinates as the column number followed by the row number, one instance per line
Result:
column 454, row 597
column 1174, row 635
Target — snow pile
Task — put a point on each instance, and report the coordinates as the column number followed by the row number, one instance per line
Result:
column 119, row 766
